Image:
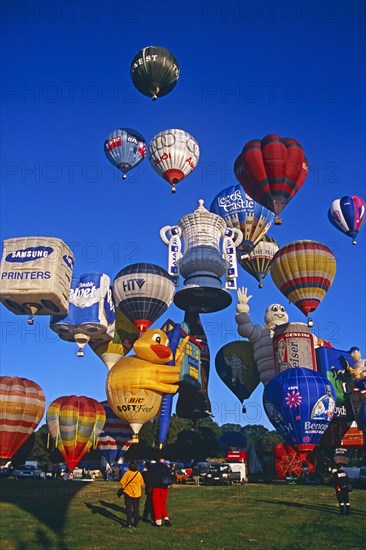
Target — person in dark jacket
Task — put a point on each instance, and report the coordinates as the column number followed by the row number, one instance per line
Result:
column 340, row 482
column 159, row 484
column 148, row 513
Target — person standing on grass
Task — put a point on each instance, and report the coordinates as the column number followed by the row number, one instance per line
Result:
column 148, row 513
column 160, row 478
column 340, row 482
column 132, row 483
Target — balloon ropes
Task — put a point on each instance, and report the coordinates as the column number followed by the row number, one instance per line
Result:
column 22, row 404
column 272, row 171
column 75, row 424
column 125, row 149
column 347, row 215
column 304, row 271
column 173, row 154
column 143, row 292
column 240, row 211
column 154, row 71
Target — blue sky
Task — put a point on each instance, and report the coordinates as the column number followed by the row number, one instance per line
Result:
column 247, row 69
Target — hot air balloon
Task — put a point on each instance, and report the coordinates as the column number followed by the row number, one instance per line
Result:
column 240, row 211
column 272, row 171
column 125, row 149
column 154, row 71
column 288, row 462
column 111, row 351
column 75, row 424
column 304, row 271
column 22, row 404
column 300, row 404
column 236, row 367
column 91, row 312
column 115, row 439
column 232, row 441
column 259, row 261
column 347, row 215
column 143, row 292
column 173, row 154
column 35, row 276
column 135, row 385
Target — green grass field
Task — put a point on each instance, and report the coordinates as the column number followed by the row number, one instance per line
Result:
column 72, row 515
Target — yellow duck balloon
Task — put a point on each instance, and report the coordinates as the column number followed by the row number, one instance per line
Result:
column 136, row 383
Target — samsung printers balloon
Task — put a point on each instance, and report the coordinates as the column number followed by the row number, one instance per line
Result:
column 36, row 275
column 91, row 313
column 202, row 264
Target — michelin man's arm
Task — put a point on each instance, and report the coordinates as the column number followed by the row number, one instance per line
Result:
column 246, row 328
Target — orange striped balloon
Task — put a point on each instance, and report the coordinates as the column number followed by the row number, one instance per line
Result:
column 22, row 404
column 75, row 424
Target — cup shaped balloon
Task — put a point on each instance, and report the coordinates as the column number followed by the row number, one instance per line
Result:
column 272, row 170
column 300, row 404
column 22, row 404
column 304, row 272
column 240, row 211
column 75, row 424
column 154, row 71
column 125, row 149
column 173, row 154
column 143, row 292
column 347, row 215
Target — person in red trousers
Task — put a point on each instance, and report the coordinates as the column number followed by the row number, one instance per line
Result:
column 159, row 479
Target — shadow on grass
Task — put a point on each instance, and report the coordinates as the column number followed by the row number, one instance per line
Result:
column 332, row 509
column 103, row 511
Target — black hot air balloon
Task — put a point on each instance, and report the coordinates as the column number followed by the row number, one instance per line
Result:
column 154, row 71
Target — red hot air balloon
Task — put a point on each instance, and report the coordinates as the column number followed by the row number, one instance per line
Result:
column 272, row 171
column 22, row 404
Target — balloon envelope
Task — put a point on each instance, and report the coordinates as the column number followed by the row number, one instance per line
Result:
column 304, row 271
column 125, row 149
column 22, row 404
column 75, row 424
column 154, row 71
column 232, row 441
column 240, row 211
column 300, row 404
column 115, row 438
column 236, row 367
column 272, row 170
column 173, row 154
column 143, row 292
column 258, row 263
column 347, row 215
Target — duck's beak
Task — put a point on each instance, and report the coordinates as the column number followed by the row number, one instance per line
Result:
column 161, row 351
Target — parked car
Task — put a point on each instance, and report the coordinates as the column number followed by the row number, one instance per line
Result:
column 26, row 471
column 220, row 474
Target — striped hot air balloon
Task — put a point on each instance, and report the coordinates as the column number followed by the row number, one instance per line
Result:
column 22, row 404
column 125, row 149
column 259, row 261
column 116, row 437
column 143, row 292
column 272, row 171
column 173, row 154
column 240, row 211
column 75, row 424
column 304, row 271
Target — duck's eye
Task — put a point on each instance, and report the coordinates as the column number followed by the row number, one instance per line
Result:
column 157, row 338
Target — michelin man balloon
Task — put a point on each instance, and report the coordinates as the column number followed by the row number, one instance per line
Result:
column 260, row 336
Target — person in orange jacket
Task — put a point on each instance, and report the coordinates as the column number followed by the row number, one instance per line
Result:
column 132, row 483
